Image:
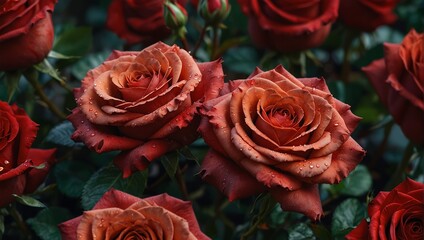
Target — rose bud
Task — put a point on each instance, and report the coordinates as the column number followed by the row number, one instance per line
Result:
column 214, row 11
column 372, row 13
column 175, row 17
column 276, row 133
column 26, row 33
column 289, row 25
column 143, row 104
column 22, row 169
column 138, row 21
column 398, row 214
column 398, row 79
column 118, row 215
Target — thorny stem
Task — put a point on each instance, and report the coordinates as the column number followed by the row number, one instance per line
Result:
column 181, row 183
column 400, row 172
column 40, row 92
column 19, row 221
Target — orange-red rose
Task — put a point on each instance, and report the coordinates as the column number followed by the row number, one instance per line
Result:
column 26, row 32
column 118, row 215
column 289, row 25
column 367, row 15
column 138, row 21
column 143, row 103
column 398, row 79
column 398, row 214
column 18, row 160
column 276, row 133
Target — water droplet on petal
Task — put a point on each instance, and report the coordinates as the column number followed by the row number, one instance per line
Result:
column 6, row 162
column 317, row 166
column 82, row 121
column 90, row 109
column 311, row 166
column 1, row 169
column 93, row 134
column 336, row 124
column 153, row 146
column 326, row 164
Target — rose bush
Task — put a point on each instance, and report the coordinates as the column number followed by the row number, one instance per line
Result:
column 372, row 13
column 118, row 215
column 26, row 32
column 18, row 160
column 273, row 132
column 143, row 103
column 139, row 21
column 398, row 79
column 289, row 25
column 398, row 214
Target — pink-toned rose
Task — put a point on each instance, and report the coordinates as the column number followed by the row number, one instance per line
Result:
column 398, row 79
column 367, row 15
column 26, row 32
column 275, row 133
column 398, row 214
column 118, row 215
column 138, row 21
column 18, row 160
column 289, row 25
column 143, row 103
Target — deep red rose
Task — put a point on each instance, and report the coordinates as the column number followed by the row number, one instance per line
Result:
column 143, row 103
column 398, row 79
column 118, row 215
column 367, row 15
column 17, row 158
column 276, row 133
column 138, row 21
column 26, row 32
column 398, row 214
column 289, row 25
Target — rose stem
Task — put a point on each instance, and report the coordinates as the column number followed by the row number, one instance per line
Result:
column 382, row 147
column 220, row 204
column 399, row 174
column 19, row 221
column 215, row 43
column 185, row 43
column 199, row 41
column 263, row 213
column 347, row 50
column 39, row 90
column 181, row 183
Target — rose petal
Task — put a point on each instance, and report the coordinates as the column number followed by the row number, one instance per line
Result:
column 360, row 232
column 36, row 176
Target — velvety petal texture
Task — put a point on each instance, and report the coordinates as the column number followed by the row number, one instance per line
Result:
column 139, row 21
column 26, row 32
column 144, row 104
column 289, row 25
column 373, row 13
column 275, row 133
column 18, row 160
column 119, row 215
column 398, row 214
column 398, row 79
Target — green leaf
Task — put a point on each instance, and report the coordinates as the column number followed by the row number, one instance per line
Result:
column 301, row 231
column 241, row 60
column 170, row 163
column 358, row 182
column 61, row 135
column 111, row 177
column 74, row 41
column 28, row 201
column 347, row 216
column 1, row 226
column 80, row 68
column 46, row 221
column 57, row 55
column 47, row 68
column 71, row 176
column 12, row 82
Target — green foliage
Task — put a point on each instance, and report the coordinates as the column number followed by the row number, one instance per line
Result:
column 46, row 221
column 347, row 216
column 111, row 177
column 75, row 41
column 170, row 163
column 301, row 232
column 28, row 201
column 61, row 135
column 71, row 176
column 90, row 61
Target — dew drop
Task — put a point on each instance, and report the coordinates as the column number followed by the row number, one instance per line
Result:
column 90, row 102
column 1, row 169
column 90, row 109
column 317, row 166
column 153, row 146
column 6, row 162
column 95, row 113
column 326, row 164
column 336, row 124
column 311, row 166
column 93, row 134
column 82, row 121
column 273, row 175
column 300, row 169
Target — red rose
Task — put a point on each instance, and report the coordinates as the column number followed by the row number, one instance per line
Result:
column 367, row 15
column 26, row 32
column 17, row 159
column 138, row 21
column 273, row 132
column 143, row 103
column 398, row 214
column 398, row 79
column 289, row 25
column 118, row 215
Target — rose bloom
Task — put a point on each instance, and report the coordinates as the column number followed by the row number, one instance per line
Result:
column 398, row 79
column 22, row 168
column 118, row 215
column 367, row 15
column 275, row 133
column 398, row 214
column 289, row 25
column 26, row 32
column 143, row 103
column 138, row 21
